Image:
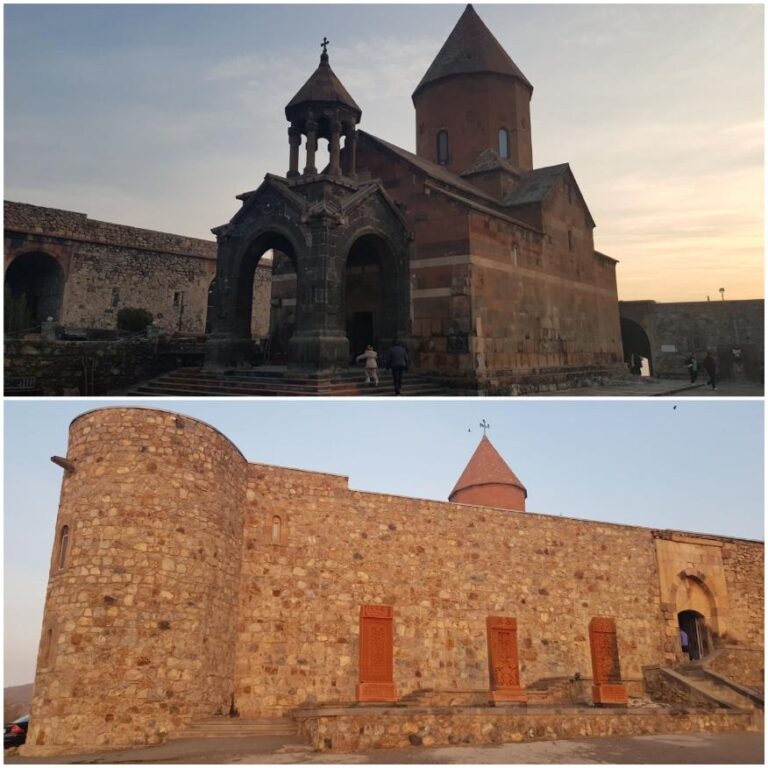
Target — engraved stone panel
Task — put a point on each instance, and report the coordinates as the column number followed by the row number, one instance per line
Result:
column 376, row 654
column 502, row 661
column 607, row 688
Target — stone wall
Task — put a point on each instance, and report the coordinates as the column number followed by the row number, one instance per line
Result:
column 677, row 329
column 137, row 635
column 92, row 367
column 444, row 568
column 743, row 564
column 107, row 267
column 349, row 730
column 745, row 666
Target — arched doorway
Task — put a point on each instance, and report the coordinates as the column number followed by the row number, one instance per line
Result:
column 282, row 318
column 694, row 635
column 34, row 286
column 637, row 348
column 371, row 299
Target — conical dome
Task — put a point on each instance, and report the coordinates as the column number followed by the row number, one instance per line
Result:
column 323, row 89
column 471, row 48
column 488, row 481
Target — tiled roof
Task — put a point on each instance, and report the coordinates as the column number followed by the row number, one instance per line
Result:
column 485, row 467
column 535, row 185
column 323, row 86
column 471, row 48
column 489, row 160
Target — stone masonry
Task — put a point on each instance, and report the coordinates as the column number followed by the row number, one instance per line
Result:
column 185, row 581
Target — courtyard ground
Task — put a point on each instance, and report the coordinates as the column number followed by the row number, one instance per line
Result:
column 650, row 387
column 664, row 749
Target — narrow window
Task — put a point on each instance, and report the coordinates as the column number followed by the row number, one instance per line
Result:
column 442, row 147
column 570, row 240
column 504, row 143
column 63, row 544
column 276, row 529
column 115, row 297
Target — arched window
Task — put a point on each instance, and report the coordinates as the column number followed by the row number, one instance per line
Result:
column 277, row 525
column 442, row 147
column 63, row 544
column 504, row 143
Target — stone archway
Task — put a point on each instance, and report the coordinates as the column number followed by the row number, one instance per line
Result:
column 636, row 343
column 34, row 284
column 694, row 635
column 371, row 296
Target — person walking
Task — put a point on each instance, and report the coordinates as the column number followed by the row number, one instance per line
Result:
column 711, row 368
column 398, row 363
column 693, row 367
column 371, row 358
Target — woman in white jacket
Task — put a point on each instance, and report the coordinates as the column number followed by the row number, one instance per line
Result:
column 371, row 357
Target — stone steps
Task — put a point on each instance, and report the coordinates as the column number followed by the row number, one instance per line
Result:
column 235, row 727
column 279, row 383
column 718, row 690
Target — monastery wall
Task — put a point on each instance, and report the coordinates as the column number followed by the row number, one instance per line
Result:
column 110, row 266
column 444, row 568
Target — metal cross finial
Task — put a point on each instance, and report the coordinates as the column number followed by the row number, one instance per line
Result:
column 485, row 425
column 324, row 44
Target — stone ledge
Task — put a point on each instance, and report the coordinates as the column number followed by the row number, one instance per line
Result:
column 350, row 729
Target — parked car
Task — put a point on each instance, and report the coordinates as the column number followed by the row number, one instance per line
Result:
column 16, row 732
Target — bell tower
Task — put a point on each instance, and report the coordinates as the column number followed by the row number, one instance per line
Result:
column 323, row 109
column 473, row 98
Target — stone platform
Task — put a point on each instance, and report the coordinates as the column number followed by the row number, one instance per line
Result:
column 360, row 728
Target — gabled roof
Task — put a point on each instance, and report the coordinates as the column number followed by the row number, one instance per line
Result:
column 433, row 170
column 471, row 48
column 486, row 467
column 323, row 87
column 490, row 160
column 535, row 185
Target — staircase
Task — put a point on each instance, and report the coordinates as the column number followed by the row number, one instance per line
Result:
column 276, row 381
column 236, row 727
column 718, row 688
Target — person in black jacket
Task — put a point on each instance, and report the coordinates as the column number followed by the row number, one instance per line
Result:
column 398, row 362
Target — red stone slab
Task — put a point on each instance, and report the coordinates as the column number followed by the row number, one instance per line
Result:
column 376, row 650
column 607, row 688
column 503, row 663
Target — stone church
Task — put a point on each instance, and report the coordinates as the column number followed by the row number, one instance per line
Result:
column 188, row 584
column 484, row 265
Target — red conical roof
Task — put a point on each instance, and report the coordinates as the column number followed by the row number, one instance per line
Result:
column 471, row 48
column 486, row 467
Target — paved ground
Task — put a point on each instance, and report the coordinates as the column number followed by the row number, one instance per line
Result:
column 700, row 748
column 637, row 386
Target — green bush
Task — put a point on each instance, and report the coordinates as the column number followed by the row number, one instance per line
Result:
column 134, row 320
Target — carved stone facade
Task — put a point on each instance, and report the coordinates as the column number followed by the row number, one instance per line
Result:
column 192, row 579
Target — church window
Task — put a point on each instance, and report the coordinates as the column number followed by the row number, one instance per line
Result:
column 63, row 546
column 504, row 143
column 570, row 240
column 442, row 147
column 277, row 525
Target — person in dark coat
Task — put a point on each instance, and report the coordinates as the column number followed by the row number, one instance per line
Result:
column 711, row 368
column 398, row 363
column 692, row 364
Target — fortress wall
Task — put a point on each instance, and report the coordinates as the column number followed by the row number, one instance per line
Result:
column 137, row 634
column 744, row 567
column 444, row 568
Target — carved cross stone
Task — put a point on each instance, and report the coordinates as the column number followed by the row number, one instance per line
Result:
column 376, row 650
column 502, row 661
column 607, row 688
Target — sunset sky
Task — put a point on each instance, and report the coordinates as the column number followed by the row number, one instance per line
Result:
column 157, row 116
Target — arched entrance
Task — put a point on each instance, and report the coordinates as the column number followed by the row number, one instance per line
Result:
column 282, row 318
column 637, row 348
column 34, row 286
column 694, row 635
column 371, row 299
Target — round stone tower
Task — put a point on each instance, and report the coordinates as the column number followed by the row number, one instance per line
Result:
column 473, row 98
column 488, row 481
column 139, row 625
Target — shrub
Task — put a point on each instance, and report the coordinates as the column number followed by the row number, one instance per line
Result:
column 132, row 319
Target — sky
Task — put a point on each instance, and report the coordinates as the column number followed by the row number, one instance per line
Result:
column 157, row 116
column 697, row 467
